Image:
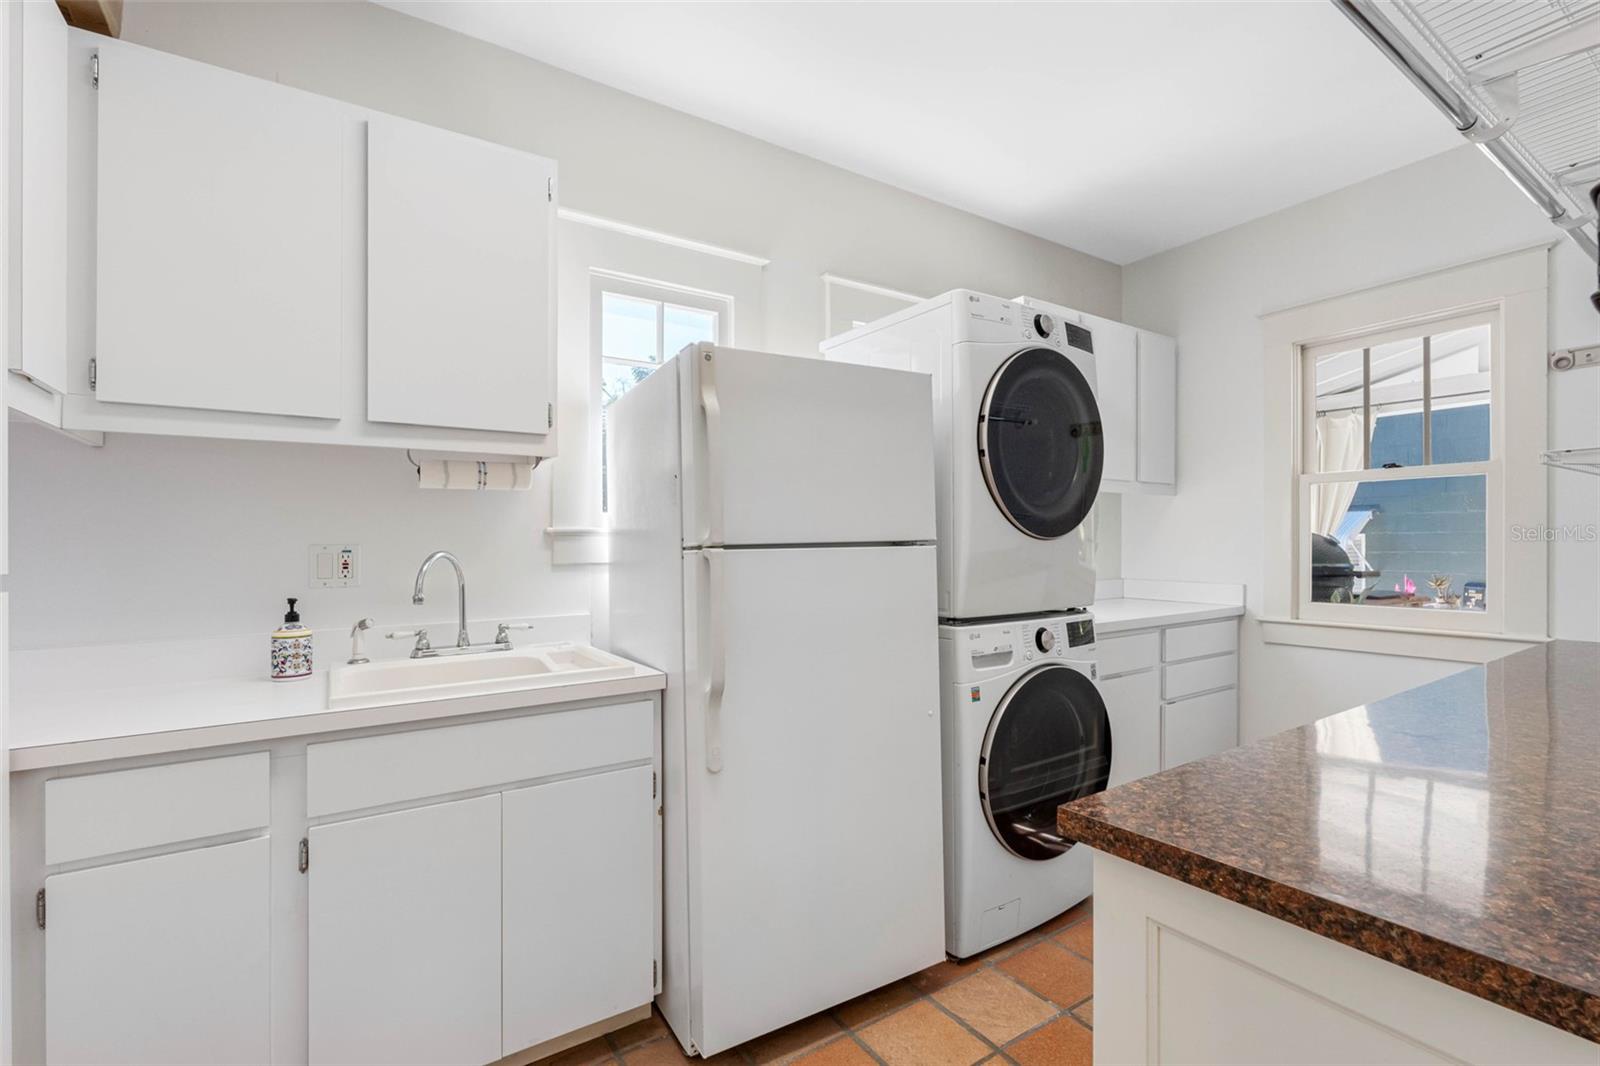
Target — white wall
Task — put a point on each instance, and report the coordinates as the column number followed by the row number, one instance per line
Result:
column 627, row 158
column 1443, row 211
column 158, row 538
column 155, row 539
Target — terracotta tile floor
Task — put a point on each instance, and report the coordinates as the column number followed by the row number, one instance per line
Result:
column 1027, row 1001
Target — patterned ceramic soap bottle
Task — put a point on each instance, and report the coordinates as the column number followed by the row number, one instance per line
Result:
column 291, row 648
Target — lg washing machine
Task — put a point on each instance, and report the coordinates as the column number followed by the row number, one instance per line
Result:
column 1024, row 730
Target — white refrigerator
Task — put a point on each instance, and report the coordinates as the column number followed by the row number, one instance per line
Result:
column 772, row 552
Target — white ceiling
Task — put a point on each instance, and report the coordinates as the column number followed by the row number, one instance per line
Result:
column 1120, row 129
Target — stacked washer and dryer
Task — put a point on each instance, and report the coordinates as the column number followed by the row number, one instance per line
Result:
column 1018, row 458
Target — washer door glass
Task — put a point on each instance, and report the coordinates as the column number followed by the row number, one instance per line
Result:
column 1039, row 443
column 1049, row 743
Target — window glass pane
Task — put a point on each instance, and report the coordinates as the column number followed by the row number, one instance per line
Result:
column 681, row 326
column 618, row 378
column 1338, row 413
column 1460, row 391
column 628, row 328
column 615, row 379
column 1397, row 403
column 1409, row 543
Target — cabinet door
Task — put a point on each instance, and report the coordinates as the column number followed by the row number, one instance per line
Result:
column 1133, row 703
column 1158, row 409
column 220, row 239
column 580, row 902
column 405, row 937
column 1116, row 368
column 459, row 281
column 1199, row 726
column 162, row 960
column 38, row 249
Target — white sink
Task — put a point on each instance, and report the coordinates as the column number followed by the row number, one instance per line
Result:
column 482, row 673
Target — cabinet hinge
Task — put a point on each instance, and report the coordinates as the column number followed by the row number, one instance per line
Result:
column 550, row 189
column 94, row 374
column 94, row 70
column 38, row 908
column 653, row 978
column 652, row 784
column 305, row 854
column 549, row 416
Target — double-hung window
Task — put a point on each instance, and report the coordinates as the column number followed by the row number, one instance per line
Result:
column 1400, row 485
column 636, row 325
column 1404, row 500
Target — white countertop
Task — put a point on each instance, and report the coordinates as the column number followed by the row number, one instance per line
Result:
column 55, row 729
column 1122, row 615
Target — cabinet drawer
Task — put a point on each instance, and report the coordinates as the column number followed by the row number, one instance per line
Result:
column 350, row 775
column 1199, row 675
column 124, row 810
column 1123, row 655
column 1208, row 638
column 1198, row 727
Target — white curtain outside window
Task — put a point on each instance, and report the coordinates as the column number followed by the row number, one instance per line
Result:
column 1339, row 446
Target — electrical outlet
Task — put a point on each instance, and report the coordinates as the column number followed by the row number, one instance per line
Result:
column 335, row 566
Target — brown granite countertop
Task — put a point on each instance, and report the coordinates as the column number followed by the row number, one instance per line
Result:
column 1453, row 829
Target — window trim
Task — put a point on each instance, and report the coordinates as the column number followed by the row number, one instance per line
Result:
column 665, row 293
column 1512, row 288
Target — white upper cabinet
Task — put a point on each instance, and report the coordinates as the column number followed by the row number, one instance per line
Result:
column 220, row 240
column 1116, row 371
column 1157, row 463
column 36, row 39
column 460, row 281
column 1137, row 388
column 247, row 260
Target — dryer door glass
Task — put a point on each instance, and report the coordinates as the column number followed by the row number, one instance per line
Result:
column 1039, row 443
column 1049, row 743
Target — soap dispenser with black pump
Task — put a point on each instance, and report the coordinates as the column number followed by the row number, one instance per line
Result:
column 291, row 647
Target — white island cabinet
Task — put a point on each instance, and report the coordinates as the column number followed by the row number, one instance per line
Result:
column 449, row 892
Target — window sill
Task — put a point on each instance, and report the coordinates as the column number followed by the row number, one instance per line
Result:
column 1413, row 643
column 579, row 545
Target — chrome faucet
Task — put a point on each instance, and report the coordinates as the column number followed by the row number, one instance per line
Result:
column 462, row 639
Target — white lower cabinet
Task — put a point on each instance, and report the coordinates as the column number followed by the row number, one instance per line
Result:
column 162, row 960
column 463, row 892
column 1171, row 693
column 578, row 885
column 1133, row 705
column 1199, row 726
column 405, row 936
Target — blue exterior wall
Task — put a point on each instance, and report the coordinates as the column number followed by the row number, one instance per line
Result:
column 1433, row 525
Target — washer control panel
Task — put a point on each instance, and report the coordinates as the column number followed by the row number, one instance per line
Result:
column 1026, row 640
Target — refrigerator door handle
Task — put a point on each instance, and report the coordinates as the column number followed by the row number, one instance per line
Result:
column 717, row 672
column 713, row 409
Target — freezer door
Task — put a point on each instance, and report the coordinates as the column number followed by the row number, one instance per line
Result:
column 785, row 450
column 813, row 773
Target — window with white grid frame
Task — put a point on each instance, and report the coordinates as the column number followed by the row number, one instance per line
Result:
column 636, row 326
column 1400, row 476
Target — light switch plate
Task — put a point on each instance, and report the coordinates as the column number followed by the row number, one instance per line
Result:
column 335, row 566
